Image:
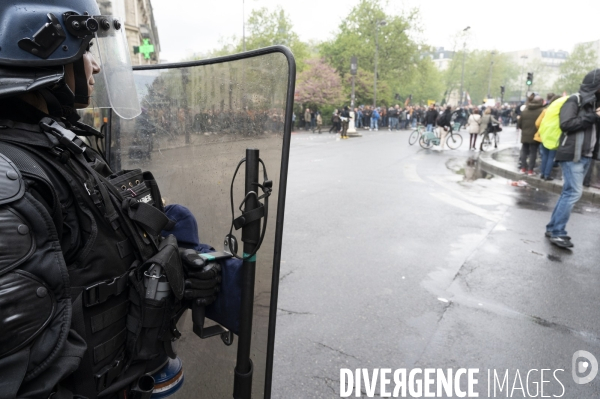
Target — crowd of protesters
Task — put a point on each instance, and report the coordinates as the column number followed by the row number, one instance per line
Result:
column 396, row 118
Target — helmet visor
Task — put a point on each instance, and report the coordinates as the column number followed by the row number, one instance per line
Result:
column 114, row 86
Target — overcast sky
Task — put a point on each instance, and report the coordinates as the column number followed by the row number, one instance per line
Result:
column 195, row 26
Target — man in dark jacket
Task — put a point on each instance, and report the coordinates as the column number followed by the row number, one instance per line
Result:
column 529, row 146
column 580, row 124
column 430, row 117
column 345, row 117
column 444, row 122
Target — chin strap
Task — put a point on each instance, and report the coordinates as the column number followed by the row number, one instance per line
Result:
column 52, row 102
column 81, row 84
column 60, row 104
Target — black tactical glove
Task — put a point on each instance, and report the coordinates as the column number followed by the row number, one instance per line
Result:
column 202, row 278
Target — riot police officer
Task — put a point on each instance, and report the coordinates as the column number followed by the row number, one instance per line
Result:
column 84, row 311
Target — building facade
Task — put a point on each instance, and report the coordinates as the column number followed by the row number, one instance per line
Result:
column 545, row 66
column 441, row 58
column 140, row 28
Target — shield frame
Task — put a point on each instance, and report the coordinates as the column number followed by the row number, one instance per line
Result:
column 282, row 182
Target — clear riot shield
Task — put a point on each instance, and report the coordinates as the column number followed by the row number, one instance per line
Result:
column 198, row 118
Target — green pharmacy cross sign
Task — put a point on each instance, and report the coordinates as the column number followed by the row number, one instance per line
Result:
column 146, row 49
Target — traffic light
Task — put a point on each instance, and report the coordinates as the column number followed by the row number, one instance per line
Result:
column 502, row 90
column 529, row 81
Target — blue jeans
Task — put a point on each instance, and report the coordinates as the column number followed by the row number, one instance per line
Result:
column 393, row 123
column 374, row 123
column 573, row 174
column 547, row 161
column 414, row 122
column 430, row 127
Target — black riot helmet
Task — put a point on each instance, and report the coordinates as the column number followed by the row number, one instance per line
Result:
column 39, row 37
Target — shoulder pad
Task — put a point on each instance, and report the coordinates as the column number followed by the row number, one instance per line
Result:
column 12, row 186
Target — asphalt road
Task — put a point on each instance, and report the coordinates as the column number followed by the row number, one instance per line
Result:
column 398, row 257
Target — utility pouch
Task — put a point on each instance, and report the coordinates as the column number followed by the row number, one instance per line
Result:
column 139, row 185
column 141, row 201
column 131, row 184
column 155, row 301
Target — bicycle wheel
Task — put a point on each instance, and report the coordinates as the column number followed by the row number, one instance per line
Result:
column 427, row 144
column 486, row 143
column 414, row 136
column 454, row 141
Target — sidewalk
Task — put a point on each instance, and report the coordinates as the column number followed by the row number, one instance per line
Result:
column 503, row 162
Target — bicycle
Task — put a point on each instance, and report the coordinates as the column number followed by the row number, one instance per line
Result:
column 489, row 139
column 454, row 139
column 416, row 134
column 429, row 139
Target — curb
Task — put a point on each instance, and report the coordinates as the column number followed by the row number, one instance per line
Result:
column 490, row 165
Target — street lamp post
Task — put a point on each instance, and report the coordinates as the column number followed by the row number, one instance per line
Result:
column 378, row 23
column 523, row 57
column 490, row 80
column 351, row 125
column 462, row 74
column 353, row 70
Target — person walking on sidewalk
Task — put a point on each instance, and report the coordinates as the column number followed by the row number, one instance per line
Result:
column 580, row 125
column 473, row 123
column 529, row 146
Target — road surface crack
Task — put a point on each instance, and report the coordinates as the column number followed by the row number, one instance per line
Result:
column 292, row 312
column 328, row 382
column 285, row 275
column 337, row 350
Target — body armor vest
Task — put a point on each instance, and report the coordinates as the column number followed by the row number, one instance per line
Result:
column 83, row 239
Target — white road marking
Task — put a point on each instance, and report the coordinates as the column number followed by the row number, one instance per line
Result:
column 467, row 207
column 410, row 172
column 474, row 198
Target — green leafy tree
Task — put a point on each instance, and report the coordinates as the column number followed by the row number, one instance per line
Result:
column 582, row 60
column 363, row 88
column 425, row 83
column 266, row 28
column 367, row 24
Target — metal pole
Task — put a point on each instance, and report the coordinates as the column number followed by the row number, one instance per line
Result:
column 523, row 58
column 490, row 79
column 242, row 386
column 462, row 74
column 375, row 77
column 352, row 98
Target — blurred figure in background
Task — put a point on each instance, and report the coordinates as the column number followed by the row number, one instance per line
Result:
column 529, row 146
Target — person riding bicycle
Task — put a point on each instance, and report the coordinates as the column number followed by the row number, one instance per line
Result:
column 445, row 123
